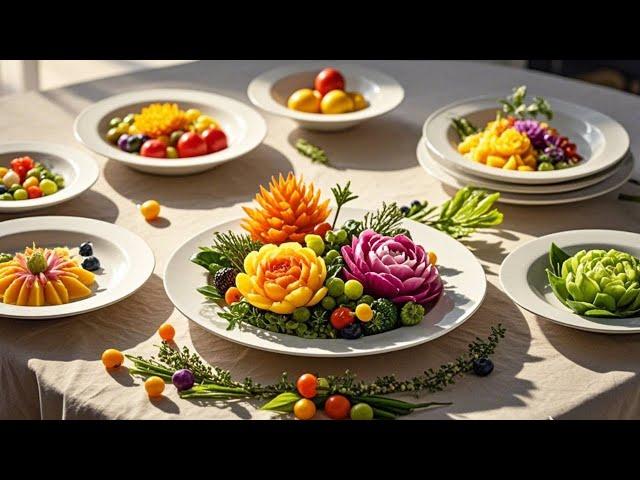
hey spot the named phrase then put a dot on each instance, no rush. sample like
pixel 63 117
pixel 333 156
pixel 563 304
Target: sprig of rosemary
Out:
pixel 315 153
pixel 514 105
pixel 228 250
pixel 341 195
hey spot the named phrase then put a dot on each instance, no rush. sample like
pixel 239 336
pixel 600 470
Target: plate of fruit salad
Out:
pixel 517 140
pixel 329 98
pixel 54 266
pixel 284 279
pixel 36 175
pixel 170 131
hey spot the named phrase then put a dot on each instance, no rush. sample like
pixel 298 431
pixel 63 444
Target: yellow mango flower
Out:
pixel 512 142
pixel 281 278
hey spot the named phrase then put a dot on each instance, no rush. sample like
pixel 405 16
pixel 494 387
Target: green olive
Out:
pixel 172 152
pixel 46 174
pixel 59 179
pixel 129 119
pixel 6 196
pixel 115 121
pixel 14 188
pixel 175 136
pixel 562 165
pixel 545 167
pixel 113 134
pixel 34 172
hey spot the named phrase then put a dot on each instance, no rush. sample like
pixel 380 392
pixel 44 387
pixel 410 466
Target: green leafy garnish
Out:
pixel 228 250
pixel 282 403
pixel 463 127
pixel 315 153
pixel 514 105
pixel 211 293
pixel 342 195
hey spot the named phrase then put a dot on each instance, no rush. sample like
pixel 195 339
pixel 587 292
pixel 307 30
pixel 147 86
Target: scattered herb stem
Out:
pixel 315 153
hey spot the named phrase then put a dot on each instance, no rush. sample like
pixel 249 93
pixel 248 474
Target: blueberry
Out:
pixel 86 249
pixel 416 203
pixel 3 189
pixel 351 332
pixel 482 367
pixel 91 263
pixel 404 209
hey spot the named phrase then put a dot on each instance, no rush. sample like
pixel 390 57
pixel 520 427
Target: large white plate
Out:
pixel 126 260
pixel 619 178
pixel 523 277
pixel 465 287
pixel 271 90
pixel 600 139
pixel 79 170
pixel 520 187
pixel 245 128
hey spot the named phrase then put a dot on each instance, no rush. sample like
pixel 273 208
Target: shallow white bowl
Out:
pixel 454 178
pixel 80 172
pixel 465 287
pixel 600 140
pixel 126 260
pixel 271 90
pixel 523 277
pixel 245 128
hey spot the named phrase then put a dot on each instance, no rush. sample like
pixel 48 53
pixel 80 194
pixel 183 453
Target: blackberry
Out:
pixel 224 279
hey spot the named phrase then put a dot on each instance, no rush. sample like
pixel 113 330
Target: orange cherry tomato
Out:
pixel 167 332
pixel 154 386
pixel 150 209
pixel 307 385
pixel 232 295
pixel 112 358
pixel 304 409
pixel 337 407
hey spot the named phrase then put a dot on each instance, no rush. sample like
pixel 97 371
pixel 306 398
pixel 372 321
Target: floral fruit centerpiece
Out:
pixel 166 131
pixel 42 276
pixel 517 141
pixel 297 274
pixel 596 283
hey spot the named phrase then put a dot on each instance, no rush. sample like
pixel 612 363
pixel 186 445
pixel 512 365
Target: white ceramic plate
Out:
pixel 271 90
pixel 600 140
pixel 619 178
pixel 523 277
pixel 245 128
pixel 465 287
pixel 79 170
pixel 126 260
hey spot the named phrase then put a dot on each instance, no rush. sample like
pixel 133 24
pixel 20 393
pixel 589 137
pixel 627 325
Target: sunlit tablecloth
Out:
pixel 51 369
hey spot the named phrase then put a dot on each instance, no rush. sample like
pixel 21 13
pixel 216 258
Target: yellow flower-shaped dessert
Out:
pixel 40 277
pixel 283 278
pixel 512 142
pixel 158 119
pixel 290 210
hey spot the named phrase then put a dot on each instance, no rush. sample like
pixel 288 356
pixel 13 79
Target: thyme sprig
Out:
pixel 342 195
pixel 315 153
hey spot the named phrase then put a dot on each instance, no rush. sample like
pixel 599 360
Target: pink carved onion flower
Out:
pixel 392 267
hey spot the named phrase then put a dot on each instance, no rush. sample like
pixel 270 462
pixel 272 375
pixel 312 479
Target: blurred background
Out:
pixel 24 75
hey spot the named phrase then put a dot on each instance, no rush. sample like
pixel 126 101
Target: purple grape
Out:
pixel 122 141
pixel 183 379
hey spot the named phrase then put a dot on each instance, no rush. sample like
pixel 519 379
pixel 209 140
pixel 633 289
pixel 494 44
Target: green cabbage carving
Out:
pixel 596 283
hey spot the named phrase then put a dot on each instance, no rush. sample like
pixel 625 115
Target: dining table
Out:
pixel 52 369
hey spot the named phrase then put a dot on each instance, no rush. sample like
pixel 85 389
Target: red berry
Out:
pixel 216 140
pixel 341 317
pixel 34 192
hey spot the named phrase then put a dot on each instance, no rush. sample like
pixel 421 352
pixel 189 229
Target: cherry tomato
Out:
pixel 154 386
pixel 307 385
pixel 322 229
pixel 112 358
pixel 341 317
pixel 329 79
pixel 337 407
pixel 304 409
pixel 21 170
pixel 150 209
pixel 216 140
pixel 167 332
pixel 191 145
pixel 24 161
pixel 34 192
pixel 232 295
pixel 154 148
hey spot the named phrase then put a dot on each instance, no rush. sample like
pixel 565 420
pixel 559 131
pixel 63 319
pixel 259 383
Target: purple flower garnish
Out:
pixel 555 153
pixel 533 130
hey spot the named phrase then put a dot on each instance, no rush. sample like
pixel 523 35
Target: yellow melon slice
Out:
pixel 85 276
pixel 5 282
pixel 61 290
pixel 50 295
pixel 36 295
pixel 11 293
pixel 75 288
pixel 23 296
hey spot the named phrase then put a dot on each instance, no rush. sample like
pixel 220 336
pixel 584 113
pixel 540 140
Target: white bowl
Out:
pixel 271 90
pixel 600 140
pixel 245 128
pixel 126 260
pixel 465 288
pixel 523 277
pixel 457 179
pixel 80 172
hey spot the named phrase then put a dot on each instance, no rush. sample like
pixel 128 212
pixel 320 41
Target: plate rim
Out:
pixel 143 263
pixel 541 177
pixel 526 256
pixel 86 132
pixel 297 351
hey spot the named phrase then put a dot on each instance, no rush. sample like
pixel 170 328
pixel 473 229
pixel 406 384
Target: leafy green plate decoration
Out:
pixel 596 283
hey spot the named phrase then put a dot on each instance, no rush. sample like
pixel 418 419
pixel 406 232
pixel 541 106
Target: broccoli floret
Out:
pixel 411 314
pixel 385 317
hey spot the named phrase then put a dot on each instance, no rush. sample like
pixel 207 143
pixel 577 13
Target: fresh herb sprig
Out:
pixel 217 383
pixel 228 250
pixel 342 195
pixel 315 153
pixel 463 127
pixel 514 105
